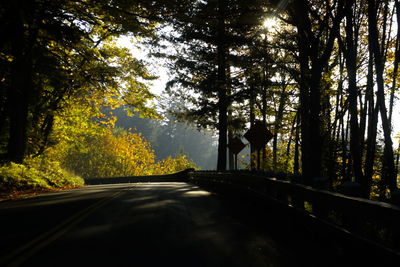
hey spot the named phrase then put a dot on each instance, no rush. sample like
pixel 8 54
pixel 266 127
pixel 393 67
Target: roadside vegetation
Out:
pixel 85 143
pixel 35 176
pixel 60 68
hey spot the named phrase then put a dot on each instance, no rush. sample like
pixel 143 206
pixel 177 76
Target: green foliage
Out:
pixel 88 144
pixel 114 155
pixel 107 155
pixel 173 165
pixel 85 142
pixel 53 51
pixel 169 138
pixel 18 176
pixel 36 174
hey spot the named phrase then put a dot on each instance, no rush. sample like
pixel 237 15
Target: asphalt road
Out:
pixel 143 224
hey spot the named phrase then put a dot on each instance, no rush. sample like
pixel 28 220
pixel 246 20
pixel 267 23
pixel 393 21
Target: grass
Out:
pixel 34 176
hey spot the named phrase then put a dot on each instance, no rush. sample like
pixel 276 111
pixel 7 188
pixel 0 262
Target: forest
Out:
pixel 323 76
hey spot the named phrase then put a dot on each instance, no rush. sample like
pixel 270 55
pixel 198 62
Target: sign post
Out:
pixel 258 135
pixel 236 145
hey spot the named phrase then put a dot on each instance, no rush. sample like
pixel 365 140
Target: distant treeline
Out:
pixel 170 138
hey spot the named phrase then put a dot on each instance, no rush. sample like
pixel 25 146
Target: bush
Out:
pixel 173 165
pixel 112 153
pixel 36 174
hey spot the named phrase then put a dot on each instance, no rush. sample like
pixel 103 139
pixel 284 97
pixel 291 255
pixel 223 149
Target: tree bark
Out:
pixel 231 157
pixel 395 63
pixel 289 144
pixel 296 164
pixel 19 93
pixel 317 54
pixel 277 126
pixel 252 119
pixel 373 111
pixel 394 80
pixel 222 94
pixel 231 160
pixel 308 125
pixel 263 87
pixel 388 169
pixel 350 52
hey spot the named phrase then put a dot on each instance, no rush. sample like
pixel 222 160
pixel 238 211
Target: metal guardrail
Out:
pixel 366 224
pixel 372 221
pixel 181 176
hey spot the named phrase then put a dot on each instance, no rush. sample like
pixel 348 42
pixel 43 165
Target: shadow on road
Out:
pixel 146 224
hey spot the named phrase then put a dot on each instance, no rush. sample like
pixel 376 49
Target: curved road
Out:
pixel 143 224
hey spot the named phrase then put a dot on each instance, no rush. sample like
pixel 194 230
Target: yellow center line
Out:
pixel 23 253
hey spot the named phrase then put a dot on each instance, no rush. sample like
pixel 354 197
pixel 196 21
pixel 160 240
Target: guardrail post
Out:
pixel 320 210
pixel 297 201
pixel 353 221
pixel 281 195
pixel 395 197
pixel 351 189
pixel 321 183
pixel 395 200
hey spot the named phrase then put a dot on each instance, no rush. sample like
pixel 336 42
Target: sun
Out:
pixel 270 23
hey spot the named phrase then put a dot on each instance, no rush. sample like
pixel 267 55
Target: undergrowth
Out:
pixel 35 174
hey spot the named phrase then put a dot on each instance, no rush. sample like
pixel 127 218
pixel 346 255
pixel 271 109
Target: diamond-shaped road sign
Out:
pixel 258 135
pixel 236 145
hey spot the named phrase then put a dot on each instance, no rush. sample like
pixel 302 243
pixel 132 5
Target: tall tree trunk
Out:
pixel 350 53
pixel 277 126
pixel 222 94
pixel 296 164
pixel 19 93
pixel 373 111
pixel 395 63
pixel 231 160
pixel 45 131
pixel 289 144
pixel 307 156
pixel 397 159
pixel 394 79
pixel 363 120
pixel 317 54
pixel 345 157
pixel 388 170
pixel 252 119
pixel 306 140
pixel 349 166
pixel 231 156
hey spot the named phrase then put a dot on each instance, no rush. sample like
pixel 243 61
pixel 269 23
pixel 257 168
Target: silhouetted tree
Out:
pixel 388 171
pixel 318 24
pixel 52 50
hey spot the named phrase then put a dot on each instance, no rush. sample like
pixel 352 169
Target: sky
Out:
pixel 155 68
